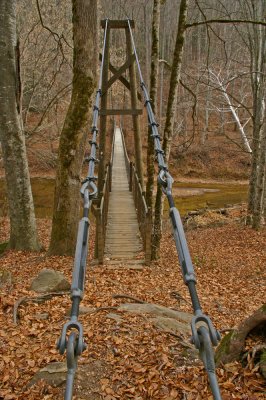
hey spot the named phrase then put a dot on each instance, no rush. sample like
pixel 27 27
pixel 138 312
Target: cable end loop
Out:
pixel 214 335
pixel 165 180
pixel 87 184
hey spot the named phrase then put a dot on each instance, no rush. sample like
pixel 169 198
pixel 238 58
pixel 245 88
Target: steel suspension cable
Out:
pixel 204 335
pixel 71 339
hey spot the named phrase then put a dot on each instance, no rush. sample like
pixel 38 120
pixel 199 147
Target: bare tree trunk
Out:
pixel 259 201
pixel 257 48
pixel 168 130
pixel 264 195
pixel 237 120
pixel 205 130
pixel 153 96
pixel 162 71
pixel 146 41
pixel 232 344
pixel 75 129
pixel 218 81
pixel 23 234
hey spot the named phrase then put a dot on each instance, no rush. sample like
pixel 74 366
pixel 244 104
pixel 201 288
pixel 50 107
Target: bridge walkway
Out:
pixel 123 239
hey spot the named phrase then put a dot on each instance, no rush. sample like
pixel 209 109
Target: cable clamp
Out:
pixel 156 136
pixel 154 123
pixel 90 158
pixel 142 85
pixel 94 129
pixel 147 102
pixel 91 142
pixel 159 151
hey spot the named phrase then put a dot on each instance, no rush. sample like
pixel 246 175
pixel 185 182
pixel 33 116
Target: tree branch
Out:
pixel 225 21
pixel 54 34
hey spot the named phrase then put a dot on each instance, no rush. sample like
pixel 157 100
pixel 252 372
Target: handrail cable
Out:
pixel 204 335
pixel 71 339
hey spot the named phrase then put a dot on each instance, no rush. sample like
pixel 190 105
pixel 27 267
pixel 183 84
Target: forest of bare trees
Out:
pixel 203 64
pixel 222 77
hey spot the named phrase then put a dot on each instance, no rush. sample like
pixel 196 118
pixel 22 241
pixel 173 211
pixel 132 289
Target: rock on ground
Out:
pixel 54 374
pixel 50 280
pixel 162 317
pixel 156 310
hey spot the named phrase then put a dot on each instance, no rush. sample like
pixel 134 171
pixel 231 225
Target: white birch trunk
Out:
pixel 23 235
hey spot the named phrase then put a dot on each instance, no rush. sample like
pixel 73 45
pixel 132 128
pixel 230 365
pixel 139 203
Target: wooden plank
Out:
pixel 120 111
pixel 122 231
pixel 118 23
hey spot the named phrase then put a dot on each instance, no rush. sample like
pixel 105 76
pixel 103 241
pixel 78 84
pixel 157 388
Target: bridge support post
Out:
pixel 135 118
pixel 103 118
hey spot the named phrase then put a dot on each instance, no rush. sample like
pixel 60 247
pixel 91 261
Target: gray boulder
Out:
pixel 171 325
pixel 156 310
pixel 164 318
pixel 50 280
pixel 54 374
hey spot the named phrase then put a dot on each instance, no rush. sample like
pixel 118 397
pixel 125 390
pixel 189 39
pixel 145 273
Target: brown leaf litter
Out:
pixel 127 357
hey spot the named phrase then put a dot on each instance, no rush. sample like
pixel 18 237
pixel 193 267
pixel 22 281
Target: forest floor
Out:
pixel 129 358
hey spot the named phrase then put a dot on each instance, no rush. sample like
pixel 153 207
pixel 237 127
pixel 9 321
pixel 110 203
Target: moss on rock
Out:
pixel 223 349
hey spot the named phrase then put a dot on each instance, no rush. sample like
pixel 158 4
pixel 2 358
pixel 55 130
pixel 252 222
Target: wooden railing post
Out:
pixel 95 205
pixel 148 233
pixel 110 175
pixel 130 176
pixel 100 238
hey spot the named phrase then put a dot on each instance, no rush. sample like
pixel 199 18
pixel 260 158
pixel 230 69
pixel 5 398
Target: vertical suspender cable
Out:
pixel 71 340
pixel 204 335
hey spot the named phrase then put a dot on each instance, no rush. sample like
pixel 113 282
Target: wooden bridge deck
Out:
pixel 123 240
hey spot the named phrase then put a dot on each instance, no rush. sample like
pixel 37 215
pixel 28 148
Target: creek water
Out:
pixel 188 196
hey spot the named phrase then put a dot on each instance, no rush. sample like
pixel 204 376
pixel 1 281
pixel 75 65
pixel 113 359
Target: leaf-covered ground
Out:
pixel 132 359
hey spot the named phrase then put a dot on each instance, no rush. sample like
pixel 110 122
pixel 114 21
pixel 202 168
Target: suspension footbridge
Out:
pixel 122 217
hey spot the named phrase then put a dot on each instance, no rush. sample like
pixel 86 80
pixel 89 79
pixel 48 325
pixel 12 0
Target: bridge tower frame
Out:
pixel 131 85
